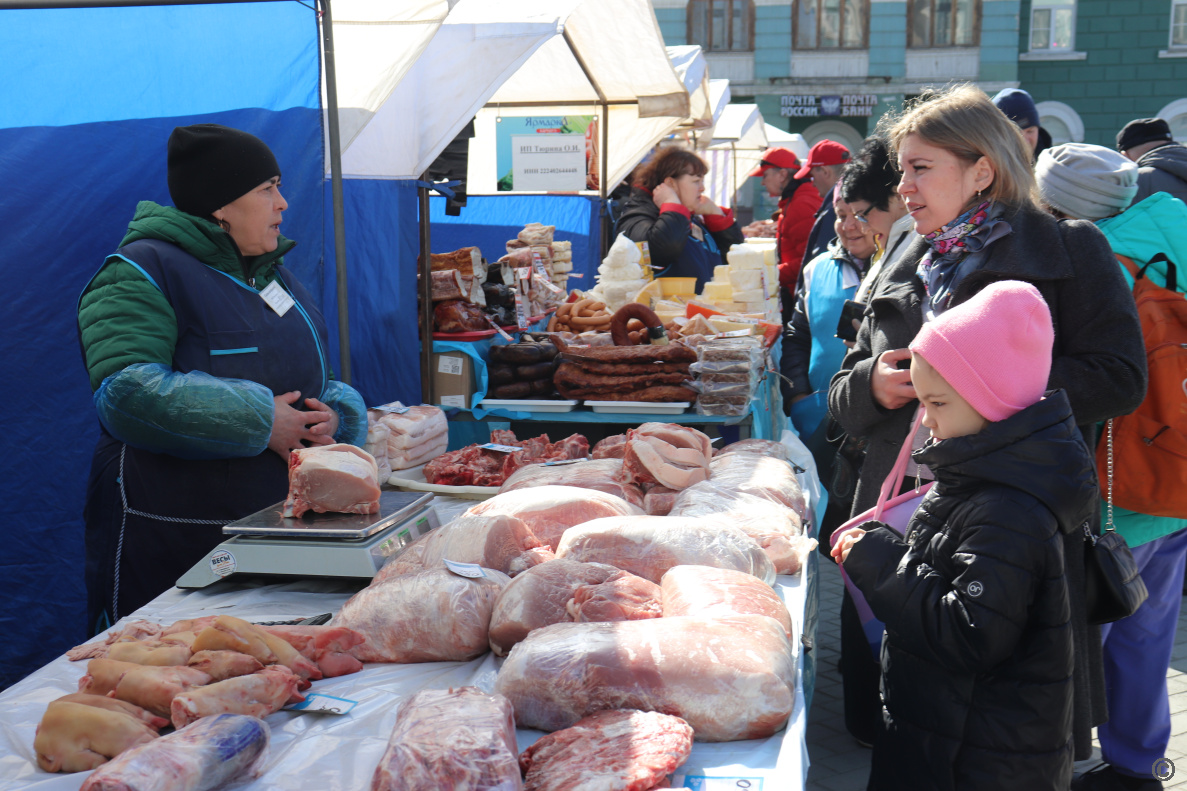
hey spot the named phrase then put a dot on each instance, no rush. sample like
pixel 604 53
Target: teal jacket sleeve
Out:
pixel 192 416
pixel 352 412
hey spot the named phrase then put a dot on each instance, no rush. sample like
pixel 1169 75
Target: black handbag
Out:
pixel 1113 586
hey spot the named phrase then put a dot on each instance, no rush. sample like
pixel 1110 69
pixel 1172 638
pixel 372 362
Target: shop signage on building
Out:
pixel 859 105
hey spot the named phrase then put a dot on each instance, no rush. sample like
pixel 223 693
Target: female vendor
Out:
pixel 686 233
pixel 208 362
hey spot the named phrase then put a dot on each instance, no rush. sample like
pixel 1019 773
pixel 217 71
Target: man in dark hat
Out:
pixel 1162 163
pixel 1020 108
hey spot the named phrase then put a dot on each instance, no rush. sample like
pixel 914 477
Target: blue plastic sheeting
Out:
pixel 69 192
pixel 489 221
pixel 382 244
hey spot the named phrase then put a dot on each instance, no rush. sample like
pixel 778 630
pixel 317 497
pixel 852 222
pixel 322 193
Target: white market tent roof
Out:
pixel 411 75
pixel 610 62
pixel 739 140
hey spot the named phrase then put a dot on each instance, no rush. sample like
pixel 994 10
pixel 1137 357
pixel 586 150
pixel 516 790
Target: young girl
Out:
pixel 977 659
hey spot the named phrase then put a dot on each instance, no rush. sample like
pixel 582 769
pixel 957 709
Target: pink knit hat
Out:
pixel 995 349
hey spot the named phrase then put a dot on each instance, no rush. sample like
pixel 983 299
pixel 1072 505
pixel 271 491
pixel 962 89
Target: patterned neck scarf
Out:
pixel 950 246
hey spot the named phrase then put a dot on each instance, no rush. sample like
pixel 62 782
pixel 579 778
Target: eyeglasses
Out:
pixel 863 217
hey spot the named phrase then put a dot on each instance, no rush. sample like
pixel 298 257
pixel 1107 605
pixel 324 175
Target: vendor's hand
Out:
pixel 291 426
pixel 857 328
pixel 707 206
pixel 891 386
pixel 845 542
pixel 664 194
pixel 322 421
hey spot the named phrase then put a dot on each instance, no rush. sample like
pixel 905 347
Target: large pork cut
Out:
pixel 604 475
pixel 650 545
pixel 729 678
pixel 339 478
pixel 427 616
pixel 668 454
pixel 759 447
pixel 620 597
pixel 414 435
pixel 456 739
pixel 761 476
pixel 499 542
pixel 549 511
pixel 622 749
pixel 720 593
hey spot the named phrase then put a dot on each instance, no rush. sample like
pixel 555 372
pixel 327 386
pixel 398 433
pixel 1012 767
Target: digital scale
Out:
pixel 316 545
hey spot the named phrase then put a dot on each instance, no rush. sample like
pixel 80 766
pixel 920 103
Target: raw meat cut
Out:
pixel 328 646
pixel 650 545
pixel 221 665
pixel 414 434
pixel 729 678
pixel 406 458
pixel 457 315
pixel 378 436
pixel 538 597
pixel 153 688
pixel 618 750
pixel 427 616
pixel 210 753
pixel 236 634
pixel 620 597
pixel 136 630
pixel 146 653
pixel 111 704
pixel 761 476
pixel 659 500
pixel 257 694
pixel 759 447
pixel 498 542
pixel 777 528
pixel 339 478
pixel 474 465
pixel 603 475
pixel 549 511
pixel 457 739
pixel 665 453
pixel 103 674
pixel 719 593
pixel 75 737
pixel 611 447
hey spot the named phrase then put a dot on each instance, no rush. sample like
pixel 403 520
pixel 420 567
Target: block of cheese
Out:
pixel 747 279
pixel 744 256
pixel 721 273
pixel 718 292
pixel 725 325
pixel 750 295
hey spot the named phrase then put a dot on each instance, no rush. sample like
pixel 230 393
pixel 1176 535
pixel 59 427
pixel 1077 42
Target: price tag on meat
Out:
pixel 500 448
pixel 701 783
pixel 502 332
pixel 546 283
pixel 471 570
pixel 394 408
pixel 327 704
pixel 561 462
pixel 521 313
pixel 734 334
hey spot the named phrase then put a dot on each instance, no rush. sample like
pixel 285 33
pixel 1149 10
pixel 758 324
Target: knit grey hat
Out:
pixel 1086 182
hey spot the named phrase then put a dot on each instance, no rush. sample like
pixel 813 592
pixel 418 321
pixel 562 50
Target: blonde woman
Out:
pixel 968 185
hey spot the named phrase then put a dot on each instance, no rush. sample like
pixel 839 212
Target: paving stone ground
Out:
pixel 839 763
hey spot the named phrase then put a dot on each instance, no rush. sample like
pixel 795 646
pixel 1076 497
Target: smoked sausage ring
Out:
pixel 636 310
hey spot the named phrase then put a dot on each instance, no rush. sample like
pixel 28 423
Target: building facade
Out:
pixel 1094 65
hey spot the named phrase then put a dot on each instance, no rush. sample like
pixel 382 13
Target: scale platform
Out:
pixel 316 545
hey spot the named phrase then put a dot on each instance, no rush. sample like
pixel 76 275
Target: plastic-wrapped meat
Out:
pixel 620 597
pixel 720 593
pixel 549 511
pixel 604 475
pixel 427 616
pixel 729 678
pixel 539 596
pixel 623 749
pixel 650 545
pixel 759 447
pixel 457 739
pixel 208 754
pixel 79 732
pixel 332 478
pixel 257 694
pixel 659 500
pixel 761 476
pixel 611 447
pixel 499 542
pixel 378 436
pixel 777 528
pixel 665 453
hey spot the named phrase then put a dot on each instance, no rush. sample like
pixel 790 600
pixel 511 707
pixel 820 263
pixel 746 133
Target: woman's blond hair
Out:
pixel 962 120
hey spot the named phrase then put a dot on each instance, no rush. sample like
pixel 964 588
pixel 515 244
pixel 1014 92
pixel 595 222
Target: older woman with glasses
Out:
pixel 870 190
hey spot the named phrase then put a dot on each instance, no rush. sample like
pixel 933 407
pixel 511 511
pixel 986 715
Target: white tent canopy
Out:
pixel 610 62
pixel 399 135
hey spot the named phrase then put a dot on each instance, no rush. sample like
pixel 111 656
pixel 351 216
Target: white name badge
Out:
pixel 277 298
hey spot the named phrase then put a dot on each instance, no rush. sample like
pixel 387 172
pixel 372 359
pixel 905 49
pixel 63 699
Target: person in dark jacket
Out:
pixel 977 655
pixel 209 364
pixel 968 184
pixel 1162 163
pixel 687 233
pixel 824 164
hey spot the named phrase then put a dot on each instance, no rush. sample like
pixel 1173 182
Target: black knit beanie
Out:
pixel 211 165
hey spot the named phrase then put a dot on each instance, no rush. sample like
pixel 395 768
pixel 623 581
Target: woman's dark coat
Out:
pixel 977 660
pixel 669 239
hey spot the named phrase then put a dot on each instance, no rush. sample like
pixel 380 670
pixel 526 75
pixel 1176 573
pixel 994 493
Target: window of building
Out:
pixel 721 25
pixel 1053 26
pixel 832 24
pixel 1179 23
pixel 944 23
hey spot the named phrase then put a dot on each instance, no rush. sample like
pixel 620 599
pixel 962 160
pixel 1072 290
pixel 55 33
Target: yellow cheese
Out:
pixel 721 273
pixel 725 325
pixel 750 296
pixel 718 292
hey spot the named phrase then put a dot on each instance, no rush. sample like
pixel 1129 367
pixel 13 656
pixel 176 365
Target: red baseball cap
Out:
pixel 826 152
pixel 776 158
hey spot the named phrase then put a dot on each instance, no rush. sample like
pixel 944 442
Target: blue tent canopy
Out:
pixel 91 95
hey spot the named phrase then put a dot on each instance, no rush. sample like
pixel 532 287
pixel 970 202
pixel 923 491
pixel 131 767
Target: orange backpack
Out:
pixel 1150 445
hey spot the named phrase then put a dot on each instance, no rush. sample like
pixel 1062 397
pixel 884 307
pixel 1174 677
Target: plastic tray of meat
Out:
pixel 527 404
pixel 413 480
pixel 639 407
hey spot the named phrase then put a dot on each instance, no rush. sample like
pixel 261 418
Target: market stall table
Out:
pixel 327 751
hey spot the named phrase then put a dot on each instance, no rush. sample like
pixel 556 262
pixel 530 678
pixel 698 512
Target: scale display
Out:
pixel 393 508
